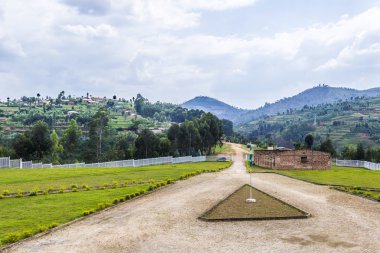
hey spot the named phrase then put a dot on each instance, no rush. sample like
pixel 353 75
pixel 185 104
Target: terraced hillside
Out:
pixel 345 122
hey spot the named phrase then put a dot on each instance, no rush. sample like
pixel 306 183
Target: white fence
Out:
pixel 5 162
pixel 355 163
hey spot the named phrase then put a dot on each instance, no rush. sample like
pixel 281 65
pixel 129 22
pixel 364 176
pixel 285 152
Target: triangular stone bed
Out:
pixel 267 207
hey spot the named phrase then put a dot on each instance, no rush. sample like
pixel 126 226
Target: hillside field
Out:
pixel 21 217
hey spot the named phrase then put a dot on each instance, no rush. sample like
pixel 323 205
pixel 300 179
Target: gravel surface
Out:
pixel 166 221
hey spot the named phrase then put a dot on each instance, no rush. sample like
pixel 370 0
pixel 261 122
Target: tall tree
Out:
pixel 41 139
pixel 71 141
pixel 56 148
pixel 360 153
pixel 327 146
pixel 147 144
pixel 309 141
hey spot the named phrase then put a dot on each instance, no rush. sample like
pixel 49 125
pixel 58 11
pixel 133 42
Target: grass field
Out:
pixel 27 179
pixel 25 216
pixel 358 181
pixel 226 148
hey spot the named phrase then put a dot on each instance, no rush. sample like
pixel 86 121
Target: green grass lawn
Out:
pixel 357 181
pixel 21 215
pixel 226 148
pixel 43 179
pixel 25 216
pixel 338 176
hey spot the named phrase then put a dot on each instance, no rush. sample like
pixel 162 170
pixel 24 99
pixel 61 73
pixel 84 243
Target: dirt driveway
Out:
pixel 166 221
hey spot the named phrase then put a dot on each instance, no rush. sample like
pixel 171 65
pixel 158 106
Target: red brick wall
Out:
pixel 293 159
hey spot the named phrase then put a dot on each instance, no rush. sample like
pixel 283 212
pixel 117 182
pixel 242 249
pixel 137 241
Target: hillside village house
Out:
pixel 293 159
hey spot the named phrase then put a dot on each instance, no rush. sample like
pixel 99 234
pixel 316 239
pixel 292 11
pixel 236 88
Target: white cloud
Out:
pixel 153 45
pixel 102 30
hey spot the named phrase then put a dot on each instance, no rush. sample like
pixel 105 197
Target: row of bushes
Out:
pixel 72 188
pixel 363 192
pixel 16 236
pixel 116 201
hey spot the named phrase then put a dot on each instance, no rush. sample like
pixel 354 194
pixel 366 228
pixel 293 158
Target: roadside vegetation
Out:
pixel 23 216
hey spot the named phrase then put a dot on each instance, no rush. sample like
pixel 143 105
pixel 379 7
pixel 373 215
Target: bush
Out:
pixel 142 192
pixel 62 189
pixel 101 206
pixel 151 188
pixel 128 196
pixel 74 189
pixel 169 181
pixel 42 228
pixel 85 213
pixel 74 186
pixel 53 225
pixel 115 201
pixel 19 193
pixel 132 195
pixel 121 200
pixel 137 194
pixel 6 192
pixel 11 238
pixel 33 193
pixel 115 184
pixel 1 196
pixel 26 234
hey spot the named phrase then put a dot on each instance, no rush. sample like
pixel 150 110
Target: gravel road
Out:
pixel 166 221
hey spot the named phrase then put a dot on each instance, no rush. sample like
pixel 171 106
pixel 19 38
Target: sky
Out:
pixel 242 52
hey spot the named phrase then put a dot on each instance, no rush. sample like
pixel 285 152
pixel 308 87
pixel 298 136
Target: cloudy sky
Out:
pixel 243 52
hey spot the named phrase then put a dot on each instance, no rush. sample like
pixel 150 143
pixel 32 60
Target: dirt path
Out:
pixel 166 221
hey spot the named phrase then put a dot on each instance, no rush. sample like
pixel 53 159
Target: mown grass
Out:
pixel 19 215
pixel 22 217
pixel 357 181
pixel 44 179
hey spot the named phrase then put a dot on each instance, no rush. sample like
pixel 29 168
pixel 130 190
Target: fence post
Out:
pixel 20 163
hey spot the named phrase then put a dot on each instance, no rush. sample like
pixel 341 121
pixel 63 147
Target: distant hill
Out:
pixel 318 95
pixel 216 107
pixel 347 122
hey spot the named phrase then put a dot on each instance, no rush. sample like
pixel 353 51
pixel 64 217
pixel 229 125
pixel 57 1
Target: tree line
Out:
pixel 96 141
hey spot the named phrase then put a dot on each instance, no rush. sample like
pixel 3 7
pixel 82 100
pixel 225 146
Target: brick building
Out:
pixel 293 159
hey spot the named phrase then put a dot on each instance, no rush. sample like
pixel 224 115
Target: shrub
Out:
pixel 169 181
pixel 50 189
pixel 62 189
pixel 85 186
pixel 137 194
pixel 45 192
pixel 19 193
pixel 42 228
pixel 11 238
pixel 85 213
pixel 115 184
pixel 132 195
pixel 53 225
pixel 115 201
pixel 121 200
pixel 74 186
pixel 151 188
pixel 151 180
pixel 101 206
pixel 1 196
pixel 74 189
pixel 128 196
pixel 33 193
pixel 157 185
pixel 5 192
pixel 26 234
pixel 105 185
pixel 142 192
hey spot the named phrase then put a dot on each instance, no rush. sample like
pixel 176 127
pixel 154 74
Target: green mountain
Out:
pixel 356 120
pixel 318 95
pixel 216 107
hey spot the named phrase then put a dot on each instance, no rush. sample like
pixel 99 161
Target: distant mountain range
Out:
pixel 322 94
